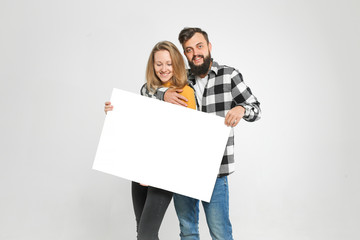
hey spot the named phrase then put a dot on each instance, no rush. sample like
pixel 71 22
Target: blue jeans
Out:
pixel 216 212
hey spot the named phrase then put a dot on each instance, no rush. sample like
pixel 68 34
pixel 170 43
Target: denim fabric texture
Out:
pixel 216 212
pixel 150 205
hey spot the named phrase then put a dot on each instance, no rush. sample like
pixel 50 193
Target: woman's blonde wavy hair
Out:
pixel 179 79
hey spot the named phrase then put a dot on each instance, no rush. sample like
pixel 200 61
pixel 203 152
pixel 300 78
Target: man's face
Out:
pixel 197 52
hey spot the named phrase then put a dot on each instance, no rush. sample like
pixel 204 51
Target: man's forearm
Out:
pixel 158 94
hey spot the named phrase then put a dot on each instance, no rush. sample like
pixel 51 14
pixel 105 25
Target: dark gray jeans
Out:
pixel 150 205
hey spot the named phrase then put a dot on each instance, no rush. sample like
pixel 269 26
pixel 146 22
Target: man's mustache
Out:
pixel 202 56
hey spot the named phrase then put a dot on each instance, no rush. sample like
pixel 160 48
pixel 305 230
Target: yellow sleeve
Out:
pixel 189 93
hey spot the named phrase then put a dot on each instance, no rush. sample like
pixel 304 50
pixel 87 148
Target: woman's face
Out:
pixel 162 65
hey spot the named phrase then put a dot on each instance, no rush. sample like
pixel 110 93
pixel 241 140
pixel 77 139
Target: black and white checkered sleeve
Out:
pixel 158 94
pixel 242 96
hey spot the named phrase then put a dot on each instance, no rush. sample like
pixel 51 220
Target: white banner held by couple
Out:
pixel 162 145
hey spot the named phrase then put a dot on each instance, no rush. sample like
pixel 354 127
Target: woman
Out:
pixel 165 68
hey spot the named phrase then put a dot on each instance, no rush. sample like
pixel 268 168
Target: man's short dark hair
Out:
pixel 188 33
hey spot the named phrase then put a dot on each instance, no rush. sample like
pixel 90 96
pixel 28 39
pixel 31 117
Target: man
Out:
pixel 219 90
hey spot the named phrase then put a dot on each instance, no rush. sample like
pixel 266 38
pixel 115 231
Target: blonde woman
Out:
pixel 165 68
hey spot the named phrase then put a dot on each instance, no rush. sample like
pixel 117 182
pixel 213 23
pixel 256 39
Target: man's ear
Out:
pixel 210 46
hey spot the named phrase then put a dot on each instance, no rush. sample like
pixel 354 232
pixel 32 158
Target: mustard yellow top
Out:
pixel 187 92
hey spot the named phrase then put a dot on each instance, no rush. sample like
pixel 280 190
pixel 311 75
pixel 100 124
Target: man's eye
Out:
pixel 200 46
pixel 188 50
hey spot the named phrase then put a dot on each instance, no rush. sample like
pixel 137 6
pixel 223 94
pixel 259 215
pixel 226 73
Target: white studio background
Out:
pixel 297 168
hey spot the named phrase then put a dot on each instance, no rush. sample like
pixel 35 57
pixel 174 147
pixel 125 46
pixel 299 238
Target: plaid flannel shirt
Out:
pixel 224 90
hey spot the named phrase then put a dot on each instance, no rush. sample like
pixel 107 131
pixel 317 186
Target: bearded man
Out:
pixel 219 90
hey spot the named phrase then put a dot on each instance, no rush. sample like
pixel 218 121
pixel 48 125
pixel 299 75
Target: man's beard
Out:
pixel 200 69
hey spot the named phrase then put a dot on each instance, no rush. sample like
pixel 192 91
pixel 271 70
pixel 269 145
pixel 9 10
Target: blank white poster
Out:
pixel 162 145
